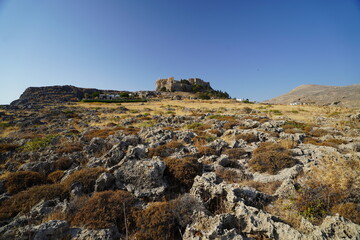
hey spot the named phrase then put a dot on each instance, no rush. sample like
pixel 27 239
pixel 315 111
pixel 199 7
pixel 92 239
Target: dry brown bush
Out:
pixel 165 150
pixel 206 151
pixel 23 201
pixel 166 220
pixel 349 210
pixel 231 176
pixel 63 163
pixel 105 209
pixel 181 172
pixel 55 177
pixel 22 180
pixel 230 124
pixel 271 158
pixel 248 137
pixel 70 148
pixel 6 147
pixel 234 153
pixel 333 142
pixel 86 177
pixel 287 143
pixel 156 222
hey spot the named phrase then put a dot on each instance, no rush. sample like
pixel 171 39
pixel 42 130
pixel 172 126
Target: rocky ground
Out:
pixel 180 171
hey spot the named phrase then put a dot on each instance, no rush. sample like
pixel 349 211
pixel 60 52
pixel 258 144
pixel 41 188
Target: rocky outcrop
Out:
pixel 171 85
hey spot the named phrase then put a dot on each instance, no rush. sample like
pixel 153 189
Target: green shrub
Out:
pixel 271 158
pixel 18 181
pixel 86 177
pixel 25 200
pixel 104 209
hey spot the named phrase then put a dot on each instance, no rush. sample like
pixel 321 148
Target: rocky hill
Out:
pixel 52 94
pixel 348 96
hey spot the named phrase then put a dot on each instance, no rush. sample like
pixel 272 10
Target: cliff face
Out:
pixel 171 85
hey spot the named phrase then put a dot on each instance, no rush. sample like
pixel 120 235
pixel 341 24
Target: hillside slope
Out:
pixel 348 96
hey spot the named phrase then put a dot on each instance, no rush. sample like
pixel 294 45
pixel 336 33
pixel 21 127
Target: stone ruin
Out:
pixel 171 85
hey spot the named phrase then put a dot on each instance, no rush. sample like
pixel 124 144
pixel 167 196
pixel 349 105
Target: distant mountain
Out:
pixel 348 96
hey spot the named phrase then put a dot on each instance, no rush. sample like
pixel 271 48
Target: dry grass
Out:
pixel 329 187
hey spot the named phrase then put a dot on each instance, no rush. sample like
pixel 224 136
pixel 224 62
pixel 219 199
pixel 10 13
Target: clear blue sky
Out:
pixel 256 49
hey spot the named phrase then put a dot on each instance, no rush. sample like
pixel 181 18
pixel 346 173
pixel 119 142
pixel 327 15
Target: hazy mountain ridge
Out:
pixel 348 96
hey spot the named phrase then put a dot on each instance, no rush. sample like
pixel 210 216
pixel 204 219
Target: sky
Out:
pixel 256 49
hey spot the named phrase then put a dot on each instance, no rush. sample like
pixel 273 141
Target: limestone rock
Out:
pixel 144 178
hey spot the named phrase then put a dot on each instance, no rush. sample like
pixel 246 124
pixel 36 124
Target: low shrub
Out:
pixel 86 177
pixel 70 148
pixel 230 124
pixel 181 172
pixel 104 209
pixel 206 151
pixel 166 220
pixel 234 153
pixel 165 150
pixel 18 181
pixel 248 137
pixel 63 163
pixel 296 127
pixel 25 200
pixel 349 210
pixel 271 158
pixel 55 177
pixel 6 147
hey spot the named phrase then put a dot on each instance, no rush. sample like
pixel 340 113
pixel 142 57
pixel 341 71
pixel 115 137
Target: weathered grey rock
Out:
pixel 336 227
pixel 223 226
pixel 52 230
pixel 106 181
pixel 137 152
pixel 297 137
pixel 218 145
pixel 144 178
pixel 44 167
pixel 287 173
pixel 97 234
pixel 43 208
pixel 286 189
pixel 95 146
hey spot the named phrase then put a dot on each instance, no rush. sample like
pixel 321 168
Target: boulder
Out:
pixel 144 177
